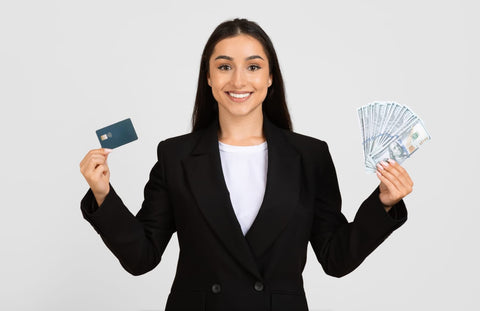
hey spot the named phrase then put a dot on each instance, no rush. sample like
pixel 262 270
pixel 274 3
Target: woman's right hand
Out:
pixel 94 168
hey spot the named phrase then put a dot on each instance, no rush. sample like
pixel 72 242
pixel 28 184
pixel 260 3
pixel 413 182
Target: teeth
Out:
pixel 235 95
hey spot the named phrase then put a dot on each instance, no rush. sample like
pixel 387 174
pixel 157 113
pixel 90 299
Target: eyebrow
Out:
pixel 231 58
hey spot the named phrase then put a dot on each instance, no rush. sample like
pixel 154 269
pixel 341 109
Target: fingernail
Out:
pixel 391 161
pixel 107 151
pixel 385 164
pixel 378 174
pixel 379 167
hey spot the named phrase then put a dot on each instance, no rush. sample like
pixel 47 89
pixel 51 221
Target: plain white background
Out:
pixel 68 68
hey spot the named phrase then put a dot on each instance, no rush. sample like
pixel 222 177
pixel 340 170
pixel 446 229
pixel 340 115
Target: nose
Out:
pixel 238 79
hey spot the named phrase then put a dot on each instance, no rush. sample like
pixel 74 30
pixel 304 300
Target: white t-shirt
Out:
pixel 245 172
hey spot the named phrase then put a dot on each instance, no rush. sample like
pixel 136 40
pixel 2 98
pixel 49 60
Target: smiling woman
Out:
pixel 239 69
pixel 244 193
pixel 239 76
pixel 255 54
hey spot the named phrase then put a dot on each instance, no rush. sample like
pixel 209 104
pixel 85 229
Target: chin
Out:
pixel 243 112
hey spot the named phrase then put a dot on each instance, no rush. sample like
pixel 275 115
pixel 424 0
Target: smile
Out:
pixel 238 95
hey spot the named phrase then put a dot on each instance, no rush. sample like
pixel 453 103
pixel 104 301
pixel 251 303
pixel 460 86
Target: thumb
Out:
pixel 106 153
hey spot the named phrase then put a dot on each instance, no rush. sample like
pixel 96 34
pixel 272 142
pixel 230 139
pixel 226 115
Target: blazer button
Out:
pixel 258 286
pixel 216 288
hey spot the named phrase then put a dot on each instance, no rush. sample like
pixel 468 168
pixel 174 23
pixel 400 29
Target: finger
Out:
pixel 403 171
pixel 97 179
pixel 401 179
pixel 397 179
pixel 92 162
pixel 385 181
pixel 390 186
pixel 101 170
pixel 95 160
pixel 385 171
pixel 101 151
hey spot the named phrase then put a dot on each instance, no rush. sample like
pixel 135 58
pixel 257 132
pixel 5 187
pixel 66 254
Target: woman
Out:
pixel 243 192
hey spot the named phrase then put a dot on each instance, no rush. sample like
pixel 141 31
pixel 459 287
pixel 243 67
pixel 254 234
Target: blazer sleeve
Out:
pixel 137 241
pixel 340 246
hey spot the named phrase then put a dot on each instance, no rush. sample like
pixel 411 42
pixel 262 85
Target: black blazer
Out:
pixel 218 267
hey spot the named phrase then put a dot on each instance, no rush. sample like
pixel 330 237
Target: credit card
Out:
pixel 117 134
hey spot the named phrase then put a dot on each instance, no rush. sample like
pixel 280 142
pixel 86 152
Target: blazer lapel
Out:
pixel 204 174
pixel 281 193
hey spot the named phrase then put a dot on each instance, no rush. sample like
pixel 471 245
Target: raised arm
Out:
pixel 137 241
pixel 341 246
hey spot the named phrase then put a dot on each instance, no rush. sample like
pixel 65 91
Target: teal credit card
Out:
pixel 117 134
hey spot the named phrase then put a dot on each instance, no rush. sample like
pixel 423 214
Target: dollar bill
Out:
pixel 403 146
pixel 389 131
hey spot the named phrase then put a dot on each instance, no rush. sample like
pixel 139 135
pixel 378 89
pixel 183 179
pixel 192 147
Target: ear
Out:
pixel 208 79
pixel 270 81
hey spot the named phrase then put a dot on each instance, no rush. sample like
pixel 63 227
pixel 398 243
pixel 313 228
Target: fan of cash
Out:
pixel 389 131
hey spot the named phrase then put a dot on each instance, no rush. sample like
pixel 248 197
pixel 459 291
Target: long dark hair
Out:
pixel 274 106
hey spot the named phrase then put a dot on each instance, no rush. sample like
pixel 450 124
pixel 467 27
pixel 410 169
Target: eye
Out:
pixel 254 67
pixel 224 67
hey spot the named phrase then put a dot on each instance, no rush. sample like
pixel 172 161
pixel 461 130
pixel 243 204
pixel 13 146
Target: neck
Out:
pixel 241 131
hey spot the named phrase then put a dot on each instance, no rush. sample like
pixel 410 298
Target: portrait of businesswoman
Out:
pixel 244 193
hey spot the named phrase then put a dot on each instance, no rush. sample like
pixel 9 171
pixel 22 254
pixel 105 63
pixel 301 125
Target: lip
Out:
pixel 239 99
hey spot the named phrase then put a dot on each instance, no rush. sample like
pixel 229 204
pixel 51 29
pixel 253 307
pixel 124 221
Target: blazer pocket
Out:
pixel 284 302
pixel 185 300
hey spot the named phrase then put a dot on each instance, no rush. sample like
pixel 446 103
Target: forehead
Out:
pixel 240 46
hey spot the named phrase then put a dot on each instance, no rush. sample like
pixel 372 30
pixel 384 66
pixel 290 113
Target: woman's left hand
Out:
pixel 395 183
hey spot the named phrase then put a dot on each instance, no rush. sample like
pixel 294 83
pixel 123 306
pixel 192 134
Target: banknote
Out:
pixel 389 131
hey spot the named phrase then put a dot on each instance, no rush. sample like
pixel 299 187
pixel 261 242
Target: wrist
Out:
pixel 100 196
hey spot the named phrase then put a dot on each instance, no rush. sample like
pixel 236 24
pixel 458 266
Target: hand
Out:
pixel 395 183
pixel 94 168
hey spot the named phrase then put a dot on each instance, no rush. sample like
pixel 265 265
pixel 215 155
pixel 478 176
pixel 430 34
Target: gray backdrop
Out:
pixel 68 68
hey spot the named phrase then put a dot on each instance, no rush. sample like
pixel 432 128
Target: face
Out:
pixel 239 76
pixel 396 151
